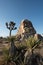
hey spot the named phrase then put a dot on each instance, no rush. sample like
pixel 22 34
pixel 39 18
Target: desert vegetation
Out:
pixel 22 50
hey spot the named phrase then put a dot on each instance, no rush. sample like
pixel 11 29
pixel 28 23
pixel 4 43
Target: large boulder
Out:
pixel 26 29
pixel 38 36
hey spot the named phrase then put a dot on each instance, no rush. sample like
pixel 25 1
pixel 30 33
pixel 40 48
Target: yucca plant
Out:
pixel 6 55
pixel 31 44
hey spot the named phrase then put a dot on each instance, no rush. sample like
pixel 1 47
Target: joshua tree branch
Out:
pixel 15 28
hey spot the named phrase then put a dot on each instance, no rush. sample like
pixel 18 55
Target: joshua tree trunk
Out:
pixel 13 49
pixel 10 33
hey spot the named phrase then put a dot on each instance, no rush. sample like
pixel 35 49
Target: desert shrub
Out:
pixel 7 58
pixel 30 42
pixel 6 54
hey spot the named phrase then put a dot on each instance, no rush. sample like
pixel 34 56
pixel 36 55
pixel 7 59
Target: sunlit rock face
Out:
pixel 26 28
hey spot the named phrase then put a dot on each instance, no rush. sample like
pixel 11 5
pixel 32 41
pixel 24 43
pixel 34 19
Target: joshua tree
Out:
pixel 12 49
pixel 10 26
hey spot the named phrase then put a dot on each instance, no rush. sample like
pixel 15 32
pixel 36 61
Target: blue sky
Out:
pixel 17 10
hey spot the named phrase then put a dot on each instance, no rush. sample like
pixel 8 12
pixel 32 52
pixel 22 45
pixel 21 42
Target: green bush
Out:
pixel 30 42
pixel 6 54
